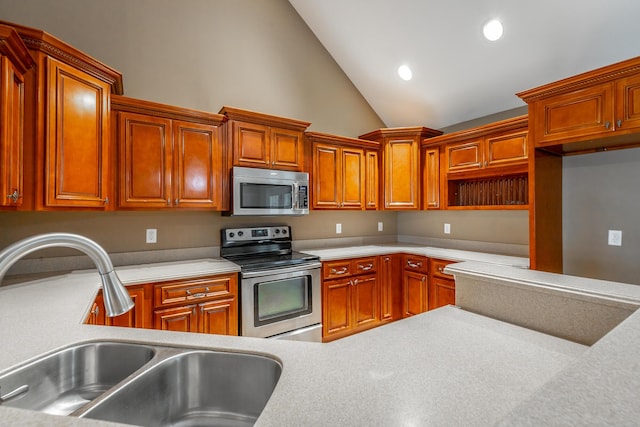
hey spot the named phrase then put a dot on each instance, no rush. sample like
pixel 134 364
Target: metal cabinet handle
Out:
pixel 607 125
pixel 197 295
pixel 414 265
pixel 341 271
pixel 96 310
pixel 441 270
pixel 14 196
pixel 365 267
pixel 355 282
pixel 106 200
pixel 168 202
pixel 423 279
pixel 619 123
pixel 486 163
pixel 386 259
pixel 175 202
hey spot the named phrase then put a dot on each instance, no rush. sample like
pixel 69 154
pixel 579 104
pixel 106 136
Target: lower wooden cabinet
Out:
pixel 442 286
pixel 138 317
pixel 207 304
pixel 415 281
pixel 350 297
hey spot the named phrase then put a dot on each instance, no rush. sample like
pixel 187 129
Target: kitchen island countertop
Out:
pixel 446 366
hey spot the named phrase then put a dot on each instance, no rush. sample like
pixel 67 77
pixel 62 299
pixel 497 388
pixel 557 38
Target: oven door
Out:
pixel 279 301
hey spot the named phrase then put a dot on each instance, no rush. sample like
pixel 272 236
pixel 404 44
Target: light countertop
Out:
pixel 446 366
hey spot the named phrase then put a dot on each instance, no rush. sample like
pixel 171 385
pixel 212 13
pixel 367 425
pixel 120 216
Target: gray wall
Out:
pixel 601 192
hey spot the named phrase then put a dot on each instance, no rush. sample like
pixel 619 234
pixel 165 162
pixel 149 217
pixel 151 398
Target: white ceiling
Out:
pixel 457 74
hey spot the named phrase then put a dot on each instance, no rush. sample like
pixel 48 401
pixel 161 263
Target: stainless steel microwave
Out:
pixel 269 192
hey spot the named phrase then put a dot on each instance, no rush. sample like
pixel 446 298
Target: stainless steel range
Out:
pixel 279 288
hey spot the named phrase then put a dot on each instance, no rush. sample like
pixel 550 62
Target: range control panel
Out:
pixel 248 234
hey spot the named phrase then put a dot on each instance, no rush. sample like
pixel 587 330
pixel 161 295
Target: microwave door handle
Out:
pixel 296 196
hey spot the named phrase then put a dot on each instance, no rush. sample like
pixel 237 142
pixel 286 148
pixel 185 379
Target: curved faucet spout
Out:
pixel 116 298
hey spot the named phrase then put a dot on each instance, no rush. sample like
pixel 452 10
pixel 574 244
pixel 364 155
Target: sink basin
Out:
pixel 64 381
pixel 194 388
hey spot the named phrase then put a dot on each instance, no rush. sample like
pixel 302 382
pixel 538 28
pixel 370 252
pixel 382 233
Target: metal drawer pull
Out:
pixel 441 270
pixel 354 282
pixel 619 123
pixel 341 271
pixel 199 294
pixel 365 267
pixel 607 125
pixel 14 196
pixel 414 265
pixel 15 393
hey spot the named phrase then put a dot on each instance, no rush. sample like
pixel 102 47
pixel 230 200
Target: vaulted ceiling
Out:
pixel 458 75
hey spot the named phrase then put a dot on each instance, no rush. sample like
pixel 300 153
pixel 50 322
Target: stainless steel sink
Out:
pixel 193 388
pixel 64 381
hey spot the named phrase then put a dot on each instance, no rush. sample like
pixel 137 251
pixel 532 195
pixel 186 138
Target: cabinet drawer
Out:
pixel 365 265
pixel 188 290
pixel 415 263
pixel 335 269
pixel 437 268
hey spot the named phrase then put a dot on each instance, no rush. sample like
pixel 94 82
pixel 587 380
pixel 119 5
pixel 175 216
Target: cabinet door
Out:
pixel 181 319
pixel 219 317
pixel 401 174
pixel 11 125
pixel 197 165
pixel 372 180
pixel 336 307
pixel 414 288
pixel 145 161
pixel 327 179
pixel 431 177
pixel 353 178
pixel 287 149
pixel 574 116
pixel 77 139
pixel 366 307
pixel 464 156
pixel 441 292
pixel 139 316
pixel 250 145
pixel 628 103
pixel 507 149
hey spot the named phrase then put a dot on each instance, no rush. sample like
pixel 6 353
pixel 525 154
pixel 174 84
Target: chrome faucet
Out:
pixel 116 298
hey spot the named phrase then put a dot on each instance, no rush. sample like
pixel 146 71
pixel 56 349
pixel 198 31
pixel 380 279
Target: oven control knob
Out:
pixel 277 231
pixel 284 231
pixel 240 233
pixel 232 234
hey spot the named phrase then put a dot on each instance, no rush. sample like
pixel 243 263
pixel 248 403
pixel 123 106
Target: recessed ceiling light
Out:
pixel 405 72
pixel 493 30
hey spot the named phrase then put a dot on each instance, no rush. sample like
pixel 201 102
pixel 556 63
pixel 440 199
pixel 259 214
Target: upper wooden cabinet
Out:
pixel 67 146
pixel 15 60
pixel 498 144
pixel 168 157
pixel 263 141
pixel 481 168
pixel 401 165
pixel 596 110
pixel 431 177
pixel 344 173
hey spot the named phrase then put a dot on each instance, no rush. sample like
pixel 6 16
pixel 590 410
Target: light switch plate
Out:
pixel 338 228
pixel 380 226
pixel 447 229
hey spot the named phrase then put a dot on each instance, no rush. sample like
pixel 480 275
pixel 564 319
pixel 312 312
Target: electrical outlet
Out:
pixel 615 238
pixel 447 229
pixel 152 235
pixel 338 228
pixel 380 226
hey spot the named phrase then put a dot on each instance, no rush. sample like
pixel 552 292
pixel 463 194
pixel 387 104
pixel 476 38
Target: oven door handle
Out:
pixel 285 270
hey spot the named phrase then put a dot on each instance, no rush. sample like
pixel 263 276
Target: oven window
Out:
pixel 265 196
pixel 282 299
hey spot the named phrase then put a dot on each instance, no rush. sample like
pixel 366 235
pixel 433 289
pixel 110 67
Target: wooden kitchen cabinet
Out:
pixel 168 157
pixel 15 60
pixel 431 177
pixel 483 167
pixel 442 286
pixel 205 304
pixel 343 172
pixel 588 112
pixel 138 317
pixel 350 297
pixel 67 146
pixel 401 165
pixel 414 285
pixel 263 141
pixel 390 282
pixel 372 179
